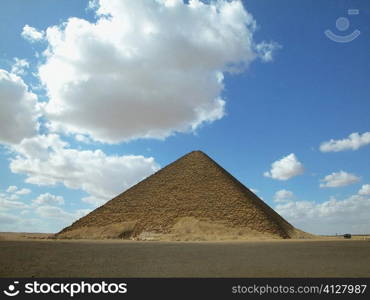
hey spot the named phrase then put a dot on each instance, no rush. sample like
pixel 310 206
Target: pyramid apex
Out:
pixel 197 152
pixel 196 155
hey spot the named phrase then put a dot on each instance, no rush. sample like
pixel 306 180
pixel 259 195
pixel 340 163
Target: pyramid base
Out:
pixel 185 229
pixel 122 230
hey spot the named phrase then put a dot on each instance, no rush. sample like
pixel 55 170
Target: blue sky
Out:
pixel 111 96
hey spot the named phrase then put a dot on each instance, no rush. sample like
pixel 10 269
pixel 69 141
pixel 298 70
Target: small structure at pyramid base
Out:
pixel 192 198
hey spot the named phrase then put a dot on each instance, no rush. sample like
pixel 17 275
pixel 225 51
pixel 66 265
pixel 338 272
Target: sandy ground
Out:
pixel 24 255
pixel 23 236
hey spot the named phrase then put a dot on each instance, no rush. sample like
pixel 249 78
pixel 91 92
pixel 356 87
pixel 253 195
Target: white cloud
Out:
pixel 160 73
pixel 19 216
pixel 14 223
pixel 32 34
pixel 337 179
pixel 93 4
pixel 282 196
pixel 12 189
pixel 267 50
pixel 18 109
pixel 53 212
pixel 9 201
pixel 54 218
pixel 82 138
pixel 46 160
pixel 285 168
pixel 330 217
pixel 57 213
pixel 6 219
pixel 23 192
pixel 13 197
pixel 79 213
pixel 6 204
pixel 365 190
pixel 353 142
pixel 48 198
pixel 19 66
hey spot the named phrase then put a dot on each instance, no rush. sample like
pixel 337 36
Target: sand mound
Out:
pixel 191 199
pixel 112 231
pixel 191 229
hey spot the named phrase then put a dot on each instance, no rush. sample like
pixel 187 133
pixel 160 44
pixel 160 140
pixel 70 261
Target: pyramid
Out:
pixel 192 198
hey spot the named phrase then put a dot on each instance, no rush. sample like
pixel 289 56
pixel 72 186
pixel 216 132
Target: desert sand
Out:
pixel 34 255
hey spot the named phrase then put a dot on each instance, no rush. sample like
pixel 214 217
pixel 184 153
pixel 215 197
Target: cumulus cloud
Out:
pixel 23 192
pixel 46 160
pixel 365 190
pixel 32 34
pixel 12 189
pixel 329 217
pixel 53 218
pixel 53 212
pixel 285 168
pixel 267 50
pixel 13 197
pixel 48 199
pixel 82 138
pixel 19 66
pixel 160 73
pixel 19 216
pixel 9 204
pixel 283 196
pixel 353 142
pixel 337 179
pixel 59 214
pixel 9 200
pixel 18 109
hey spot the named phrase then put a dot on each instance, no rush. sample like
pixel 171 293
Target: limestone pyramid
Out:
pixel 192 198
